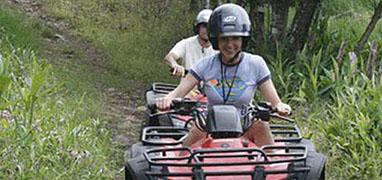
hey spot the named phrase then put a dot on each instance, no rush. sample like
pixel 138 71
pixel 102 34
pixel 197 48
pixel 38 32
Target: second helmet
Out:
pixel 202 17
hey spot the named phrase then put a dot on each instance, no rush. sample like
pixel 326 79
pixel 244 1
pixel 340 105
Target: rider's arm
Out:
pixel 177 52
pixel 171 59
pixel 184 87
pixel 268 91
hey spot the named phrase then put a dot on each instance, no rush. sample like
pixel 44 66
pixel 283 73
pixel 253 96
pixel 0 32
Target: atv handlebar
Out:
pixel 264 111
pixel 182 106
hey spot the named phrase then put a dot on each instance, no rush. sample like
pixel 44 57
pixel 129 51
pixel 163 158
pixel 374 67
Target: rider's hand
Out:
pixel 178 70
pixel 163 103
pixel 283 109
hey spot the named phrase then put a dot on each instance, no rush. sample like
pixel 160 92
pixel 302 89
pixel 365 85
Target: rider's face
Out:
pixel 203 31
pixel 229 45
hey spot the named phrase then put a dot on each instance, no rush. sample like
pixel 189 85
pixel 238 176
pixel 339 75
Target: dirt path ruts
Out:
pixel 123 109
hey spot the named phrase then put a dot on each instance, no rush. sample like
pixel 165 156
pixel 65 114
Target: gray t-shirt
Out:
pixel 238 90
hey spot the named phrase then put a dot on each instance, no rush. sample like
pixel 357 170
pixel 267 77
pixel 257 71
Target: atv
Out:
pixel 224 153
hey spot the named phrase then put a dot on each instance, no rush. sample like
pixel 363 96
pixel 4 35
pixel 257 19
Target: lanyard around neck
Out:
pixel 224 80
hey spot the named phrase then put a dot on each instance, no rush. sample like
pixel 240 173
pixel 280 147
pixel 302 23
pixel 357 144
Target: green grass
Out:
pixel 14 26
pixel 134 40
pixel 52 128
pixel 48 135
pixel 351 140
pixel 338 7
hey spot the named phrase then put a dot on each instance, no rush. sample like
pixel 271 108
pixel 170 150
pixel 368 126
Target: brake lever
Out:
pixel 276 115
pixel 163 112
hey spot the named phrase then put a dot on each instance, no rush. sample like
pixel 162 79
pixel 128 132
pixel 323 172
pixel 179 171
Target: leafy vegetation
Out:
pixel 335 99
pixel 341 109
pixel 43 132
pixel 332 95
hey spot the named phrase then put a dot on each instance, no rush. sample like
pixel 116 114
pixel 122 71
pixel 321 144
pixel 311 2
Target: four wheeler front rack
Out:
pixel 198 159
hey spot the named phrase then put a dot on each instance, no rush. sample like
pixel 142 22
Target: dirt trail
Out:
pixel 121 108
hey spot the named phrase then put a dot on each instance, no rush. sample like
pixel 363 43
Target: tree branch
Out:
pixel 369 29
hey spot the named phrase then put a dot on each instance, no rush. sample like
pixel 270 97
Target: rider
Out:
pixel 230 77
pixel 192 49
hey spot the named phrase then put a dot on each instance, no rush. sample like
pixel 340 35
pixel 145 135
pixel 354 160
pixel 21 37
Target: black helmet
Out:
pixel 202 17
pixel 229 20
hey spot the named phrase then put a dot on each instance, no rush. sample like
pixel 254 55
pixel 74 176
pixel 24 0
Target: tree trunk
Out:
pixel 280 10
pixel 300 27
pixel 374 20
pixel 257 15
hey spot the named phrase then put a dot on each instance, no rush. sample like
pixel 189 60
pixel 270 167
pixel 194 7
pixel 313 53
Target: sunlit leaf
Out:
pixel 4 83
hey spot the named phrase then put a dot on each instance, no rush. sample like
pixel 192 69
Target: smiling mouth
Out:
pixel 230 51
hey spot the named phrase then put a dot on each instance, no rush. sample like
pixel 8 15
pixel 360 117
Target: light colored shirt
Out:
pixel 191 51
pixel 236 88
